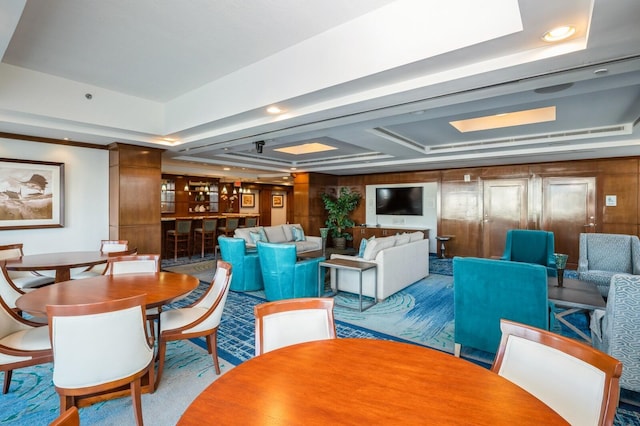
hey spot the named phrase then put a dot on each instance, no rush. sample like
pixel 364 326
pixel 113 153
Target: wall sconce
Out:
pixel 163 187
pixel 224 190
pixel 186 187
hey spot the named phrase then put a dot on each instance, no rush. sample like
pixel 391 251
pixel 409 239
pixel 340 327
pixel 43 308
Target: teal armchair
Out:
pixel 284 277
pixel 486 290
pixel 531 246
pixel 247 275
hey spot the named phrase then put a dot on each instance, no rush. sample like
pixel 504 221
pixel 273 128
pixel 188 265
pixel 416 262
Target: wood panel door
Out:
pixel 568 209
pixel 504 208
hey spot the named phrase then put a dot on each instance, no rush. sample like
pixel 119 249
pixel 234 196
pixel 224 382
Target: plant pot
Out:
pixel 340 243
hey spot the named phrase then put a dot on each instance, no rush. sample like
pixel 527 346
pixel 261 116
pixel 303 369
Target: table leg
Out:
pixel 63 274
pixel 560 317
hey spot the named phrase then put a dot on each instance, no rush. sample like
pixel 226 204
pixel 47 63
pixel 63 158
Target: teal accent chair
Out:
pixel 247 275
pixel 531 246
pixel 487 290
pixel 284 277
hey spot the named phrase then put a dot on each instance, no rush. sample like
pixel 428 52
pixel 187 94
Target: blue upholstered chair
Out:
pixel 486 290
pixel 247 275
pixel 531 246
pixel 615 330
pixel 284 277
pixel 604 255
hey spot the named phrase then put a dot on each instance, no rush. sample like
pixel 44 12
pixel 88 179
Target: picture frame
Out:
pixel 277 201
pixel 247 200
pixel 31 194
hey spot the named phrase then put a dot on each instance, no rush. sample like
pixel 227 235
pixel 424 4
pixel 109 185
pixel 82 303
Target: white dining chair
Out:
pixel 110 248
pixel 22 343
pixel 290 321
pixel 22 279
pixel 577 381
pixel 199 319
pixel 100 347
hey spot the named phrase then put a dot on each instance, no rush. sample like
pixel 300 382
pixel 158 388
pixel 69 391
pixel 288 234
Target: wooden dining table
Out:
pixel 160 288
pixel 61 263
pixel 364 381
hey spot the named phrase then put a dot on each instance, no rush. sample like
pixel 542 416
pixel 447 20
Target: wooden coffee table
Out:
pixel 575 295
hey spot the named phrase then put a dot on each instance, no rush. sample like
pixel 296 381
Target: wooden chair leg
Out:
pixel 212 345
pixel 137 404
pixel 162 349
pixel 7 381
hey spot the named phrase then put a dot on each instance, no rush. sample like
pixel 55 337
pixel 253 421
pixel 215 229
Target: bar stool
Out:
pixel 250 222
pixel 206 234
pixel 179 239
pixel 231 223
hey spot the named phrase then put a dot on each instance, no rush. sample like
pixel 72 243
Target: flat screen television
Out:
pixel 406 201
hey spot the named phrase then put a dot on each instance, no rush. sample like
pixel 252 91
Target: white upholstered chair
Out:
pixel 290 321
pixel 99 347
pixel 137 264
pixel 22 343
pixel 577 381
pixel 110 248
pixel 22 279
pixel 201 318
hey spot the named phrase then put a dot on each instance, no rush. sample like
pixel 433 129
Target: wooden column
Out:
pixel 134 196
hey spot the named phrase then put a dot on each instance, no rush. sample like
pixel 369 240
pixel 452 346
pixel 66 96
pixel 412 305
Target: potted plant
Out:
pixel 338 209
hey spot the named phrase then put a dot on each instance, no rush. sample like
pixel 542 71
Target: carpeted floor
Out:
pixel 421 314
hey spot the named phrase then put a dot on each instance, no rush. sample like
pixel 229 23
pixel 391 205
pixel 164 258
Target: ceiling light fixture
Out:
pixel 509 119
pixel 307 148
pixel 559 33
pixel 273 109
pixel 259 145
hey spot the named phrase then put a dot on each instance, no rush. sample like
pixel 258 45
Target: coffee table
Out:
pixel 575 295
pixel 349 265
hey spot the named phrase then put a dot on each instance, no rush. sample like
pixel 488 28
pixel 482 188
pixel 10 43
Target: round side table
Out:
pixel 443 239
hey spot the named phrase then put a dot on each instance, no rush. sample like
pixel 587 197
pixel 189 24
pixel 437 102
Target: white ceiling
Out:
pixel 378 79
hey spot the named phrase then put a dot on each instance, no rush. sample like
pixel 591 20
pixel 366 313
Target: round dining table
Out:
pixel 61 263
pixel 160 288
pixel 364 381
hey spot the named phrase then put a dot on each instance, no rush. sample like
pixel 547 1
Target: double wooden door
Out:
pixel 566 206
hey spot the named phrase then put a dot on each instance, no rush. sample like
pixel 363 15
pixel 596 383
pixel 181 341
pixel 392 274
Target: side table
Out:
pixel 443 239
pixel 349 265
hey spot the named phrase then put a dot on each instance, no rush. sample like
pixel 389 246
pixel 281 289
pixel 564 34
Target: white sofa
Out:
pixel 280 234
pixel 401 261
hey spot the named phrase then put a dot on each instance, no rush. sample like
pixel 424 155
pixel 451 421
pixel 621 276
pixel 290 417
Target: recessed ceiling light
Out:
pixel 307 148
pixel 273 109
pixel 559 33
pixel 226 169
pixel 509 119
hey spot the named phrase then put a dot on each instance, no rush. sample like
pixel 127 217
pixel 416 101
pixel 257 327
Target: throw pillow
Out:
pixel 298 234
pixel 255 237
pixel 263 235
pixel 363 245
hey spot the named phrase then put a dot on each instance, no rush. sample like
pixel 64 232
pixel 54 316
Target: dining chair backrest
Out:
pixel 71 417
pixel 217 293
pixel 290 321
pixel 112 246
pixel 577 381
pixel 9 292
pixel 11 251
pixel 132 264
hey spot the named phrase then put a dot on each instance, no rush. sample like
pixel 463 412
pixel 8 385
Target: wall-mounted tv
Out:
pixel 405 201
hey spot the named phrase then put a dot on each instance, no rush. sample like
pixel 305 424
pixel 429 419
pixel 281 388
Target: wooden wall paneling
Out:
pixel 504 207
pixel 624 186
pixel 134 205
pixel 265 207
pixel 461 217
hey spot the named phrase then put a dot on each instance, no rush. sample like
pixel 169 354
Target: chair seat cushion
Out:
pixel 32 339
pixel 32 281
pixel 176 318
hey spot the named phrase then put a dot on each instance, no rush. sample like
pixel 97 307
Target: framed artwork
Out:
pixel 31 194
pixel 247 200
pixel 277 201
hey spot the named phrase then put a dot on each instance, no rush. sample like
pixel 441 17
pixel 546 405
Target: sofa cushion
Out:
pixel 374 247
pixel 275 234
pixel 302 246
pixel 402 239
